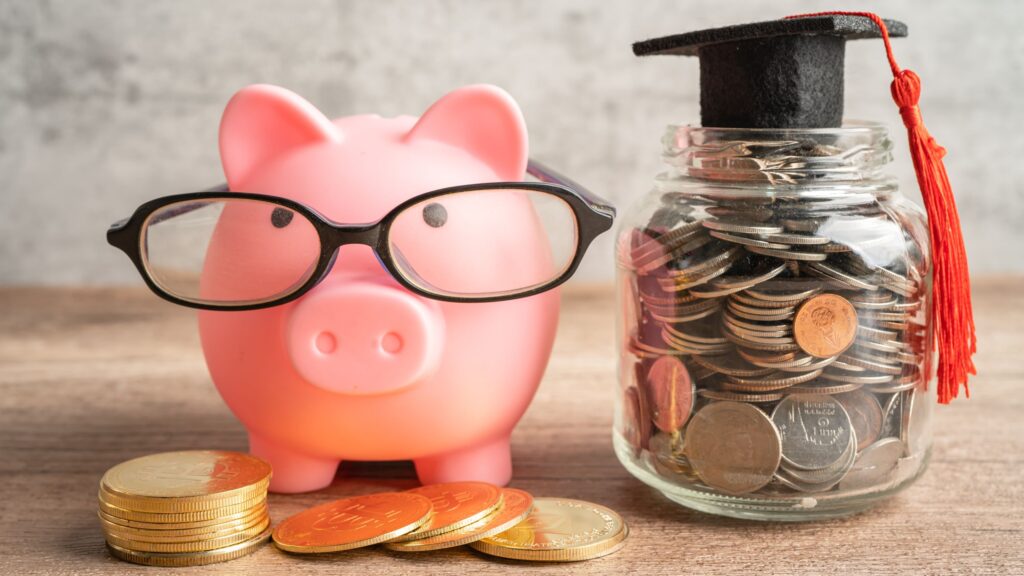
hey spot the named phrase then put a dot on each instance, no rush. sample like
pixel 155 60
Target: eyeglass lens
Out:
pixel 229 251
pixel 484 242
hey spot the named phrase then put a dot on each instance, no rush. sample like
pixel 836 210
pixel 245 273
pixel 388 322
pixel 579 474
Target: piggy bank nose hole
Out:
pixel 391 343
pixel 326 343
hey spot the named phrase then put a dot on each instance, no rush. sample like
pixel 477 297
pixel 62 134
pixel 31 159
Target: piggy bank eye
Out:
pixel 435 215
pixel 281 217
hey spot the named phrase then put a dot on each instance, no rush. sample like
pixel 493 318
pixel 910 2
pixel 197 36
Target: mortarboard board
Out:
pixel 774 74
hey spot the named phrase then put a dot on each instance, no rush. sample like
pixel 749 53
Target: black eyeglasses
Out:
pixel 220 250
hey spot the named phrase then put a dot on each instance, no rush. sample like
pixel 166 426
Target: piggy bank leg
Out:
pixel 293 472
pixel 489 462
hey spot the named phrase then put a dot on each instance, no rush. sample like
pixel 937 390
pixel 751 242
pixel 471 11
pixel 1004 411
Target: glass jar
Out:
pixel 774 325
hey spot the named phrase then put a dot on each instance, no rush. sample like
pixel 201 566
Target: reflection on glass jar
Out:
pixel 774 318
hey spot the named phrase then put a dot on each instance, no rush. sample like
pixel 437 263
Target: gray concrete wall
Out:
pixel 108 103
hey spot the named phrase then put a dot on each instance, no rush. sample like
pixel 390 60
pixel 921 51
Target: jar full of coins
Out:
pixel 774 324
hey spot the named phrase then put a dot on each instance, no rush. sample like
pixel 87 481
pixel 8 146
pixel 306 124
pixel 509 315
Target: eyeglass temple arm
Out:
pixel 549 175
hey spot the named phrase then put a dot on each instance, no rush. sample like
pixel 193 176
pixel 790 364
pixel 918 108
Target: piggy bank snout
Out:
pixel 364 338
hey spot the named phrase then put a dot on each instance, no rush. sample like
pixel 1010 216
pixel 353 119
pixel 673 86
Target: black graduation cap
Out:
pixel 775 74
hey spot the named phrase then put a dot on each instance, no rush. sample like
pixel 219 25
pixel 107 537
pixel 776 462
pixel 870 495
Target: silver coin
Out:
pixel 732 446
pixel 760 314
pixel 815 430
pixel 865 416
pixel 725 285
pixel 828 476
pixel 891 388
pixel 697 332
pixel 814 364
pixel 877 334
pixel 751 337
pixel 874 466
pixel 862 379
pixel 692 347
pixel 890 346
pixel 745 241
pixel 658 260
pixel 740 227
pixel 836 274
pixel 744 331
pixel 774 381
pixel 872 364
pixel 884 304
pixel 763 346
pixel 818 388
pixel 839 364
pixel 793 362
pixel 796 239
pixel 789 297
pixel 678 283
pixel 785 327
pixel 731 365
pixel 818 480
pixel 728 395
pixel 892 426
pixel 789 254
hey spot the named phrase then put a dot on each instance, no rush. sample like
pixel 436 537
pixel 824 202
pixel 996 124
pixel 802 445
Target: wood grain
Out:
pixel 91 377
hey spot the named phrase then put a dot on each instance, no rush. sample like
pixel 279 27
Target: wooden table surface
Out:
pixel 92 377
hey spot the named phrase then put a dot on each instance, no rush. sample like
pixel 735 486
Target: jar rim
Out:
pixel 848 127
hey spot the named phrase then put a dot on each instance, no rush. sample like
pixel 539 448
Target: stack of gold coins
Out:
pixel 502 522
pixel 185 508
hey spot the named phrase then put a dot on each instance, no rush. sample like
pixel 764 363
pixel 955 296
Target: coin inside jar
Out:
pixel 670 392
pixel 814 430
pixel 865 416
pixel 874 465
pixel 825 325
pixel 733 447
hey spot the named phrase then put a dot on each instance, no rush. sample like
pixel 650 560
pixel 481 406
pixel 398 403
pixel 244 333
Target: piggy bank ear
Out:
pixel 262 122
pixel 483 120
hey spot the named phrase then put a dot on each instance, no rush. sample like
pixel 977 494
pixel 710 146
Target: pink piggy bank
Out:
pixel 360 368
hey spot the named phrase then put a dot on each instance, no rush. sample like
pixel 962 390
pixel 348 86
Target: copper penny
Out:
pixel 670 393
pixel 456 504
pixel 825 325
pixel 353 522
pixel 634 427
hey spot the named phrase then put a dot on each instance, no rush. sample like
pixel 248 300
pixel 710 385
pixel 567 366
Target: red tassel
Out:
pixel 955 335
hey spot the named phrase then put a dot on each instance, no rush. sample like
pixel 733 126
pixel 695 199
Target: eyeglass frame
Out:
pixel 593 216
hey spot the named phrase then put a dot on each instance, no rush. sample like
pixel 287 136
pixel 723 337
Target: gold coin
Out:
pixel 559 530
pixel 516 506
pixel 238 519
pixel 456 504
pixel 192 558
pixel 183 534
pixel 353 522
pixel 196 545
pixel 223 512
pixel 185 481
pixel 825 325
